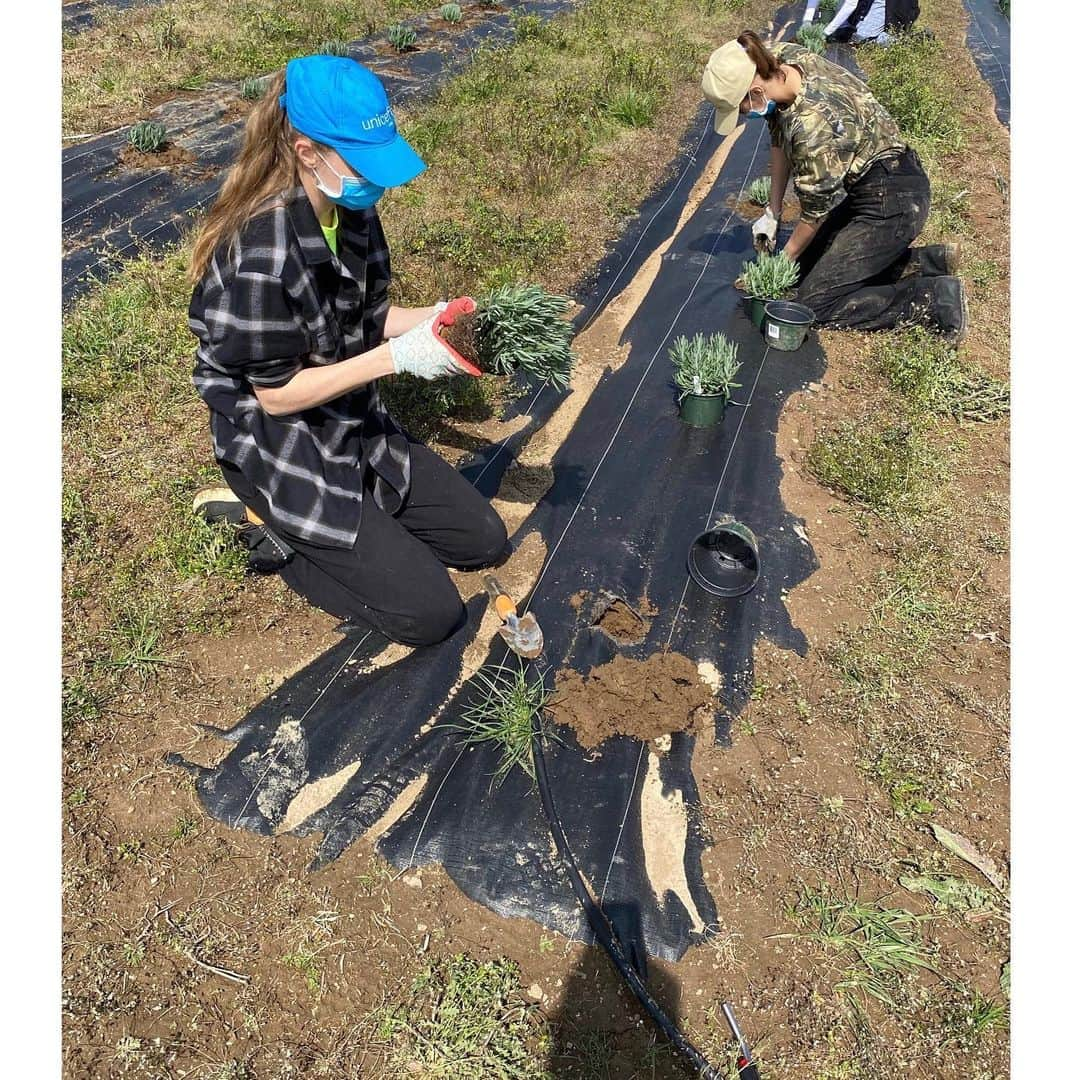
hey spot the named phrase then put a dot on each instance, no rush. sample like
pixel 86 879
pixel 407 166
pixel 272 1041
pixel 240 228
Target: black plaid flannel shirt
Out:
pixel 278 301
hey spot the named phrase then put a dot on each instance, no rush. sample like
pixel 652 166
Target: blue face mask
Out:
pixel 354 193
pixel 760 114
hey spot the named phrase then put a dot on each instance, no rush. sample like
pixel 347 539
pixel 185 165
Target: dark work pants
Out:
pixel 860 270
pixel 394 578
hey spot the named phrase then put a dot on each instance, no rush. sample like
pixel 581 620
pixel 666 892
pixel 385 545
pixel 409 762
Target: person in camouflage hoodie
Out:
pixel 863 193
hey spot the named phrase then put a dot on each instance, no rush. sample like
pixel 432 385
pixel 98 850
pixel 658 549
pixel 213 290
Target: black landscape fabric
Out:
pixel 989 39
pixel 632 488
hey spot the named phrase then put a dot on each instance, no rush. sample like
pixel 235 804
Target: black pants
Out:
pixel 860 270
pixel 394 578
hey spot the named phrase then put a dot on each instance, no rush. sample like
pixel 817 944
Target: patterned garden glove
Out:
pixel 422 352
pixel 764 231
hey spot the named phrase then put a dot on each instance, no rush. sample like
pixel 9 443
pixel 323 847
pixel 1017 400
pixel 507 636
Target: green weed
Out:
pixel 451 13
pixel 882 945
pixel 501 711
pixel 193 548
pixel 306 962
pixel 422 406
pixel 334 47
pixel 920 103
pixel 461 1019
pixel 632 107
pixel 885 466
pixel 138 640
pixel 79 703
pixel 132 330
pixel 929 373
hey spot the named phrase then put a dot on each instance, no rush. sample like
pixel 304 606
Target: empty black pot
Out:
pixel 723 560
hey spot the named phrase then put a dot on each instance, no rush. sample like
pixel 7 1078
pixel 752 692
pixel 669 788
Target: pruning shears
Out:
pixel 745 1062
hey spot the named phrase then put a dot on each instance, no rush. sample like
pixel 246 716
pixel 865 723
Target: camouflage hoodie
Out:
pixel 832 132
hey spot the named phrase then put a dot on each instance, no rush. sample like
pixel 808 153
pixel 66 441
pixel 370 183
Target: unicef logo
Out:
pixel 384 119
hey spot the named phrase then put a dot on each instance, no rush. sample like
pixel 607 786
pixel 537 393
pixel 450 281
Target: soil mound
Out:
pixel 640 698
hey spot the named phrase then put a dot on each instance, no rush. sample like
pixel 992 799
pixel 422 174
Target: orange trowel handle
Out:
pixel 503 604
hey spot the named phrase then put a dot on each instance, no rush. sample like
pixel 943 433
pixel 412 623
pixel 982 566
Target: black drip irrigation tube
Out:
pixel 601 926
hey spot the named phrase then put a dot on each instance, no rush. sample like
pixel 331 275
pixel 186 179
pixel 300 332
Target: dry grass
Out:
pixel 129 60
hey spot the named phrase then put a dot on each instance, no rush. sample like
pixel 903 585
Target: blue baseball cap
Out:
pixel 340 103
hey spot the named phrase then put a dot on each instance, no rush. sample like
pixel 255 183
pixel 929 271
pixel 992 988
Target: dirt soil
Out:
pixel 461 335
pixel 171 156
pixel 750 211
pixel 644 699
pixel 621 622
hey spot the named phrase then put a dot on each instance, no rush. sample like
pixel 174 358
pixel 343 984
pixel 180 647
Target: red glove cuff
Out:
pixel 463 305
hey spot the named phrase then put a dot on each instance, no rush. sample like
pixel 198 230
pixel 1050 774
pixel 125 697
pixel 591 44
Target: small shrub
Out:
pixel 811 36
pixel 705 365
pixel 518 328
pixel 527 27
pixel 826 11
pixel 147 136
pixel 401 36
pixel 632 107
pixel 252 88
pixel 769 277
pixel 450 13
pixel 333 47
pixel 759 191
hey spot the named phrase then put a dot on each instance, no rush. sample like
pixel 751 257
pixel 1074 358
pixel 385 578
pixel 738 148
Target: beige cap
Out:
pixel 726 81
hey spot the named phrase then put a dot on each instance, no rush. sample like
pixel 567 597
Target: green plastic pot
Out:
pixel 786 324
pixel 755 310
pixel 702 410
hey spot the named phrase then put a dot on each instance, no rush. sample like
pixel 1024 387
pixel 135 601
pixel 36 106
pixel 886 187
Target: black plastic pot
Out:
pixel 723 560
pixel 702 410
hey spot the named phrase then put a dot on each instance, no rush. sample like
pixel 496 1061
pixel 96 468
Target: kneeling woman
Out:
pixel 863 193
pixel 295 328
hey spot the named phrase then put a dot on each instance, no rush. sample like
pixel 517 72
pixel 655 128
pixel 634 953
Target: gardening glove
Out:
pixel 764 231
pixel 421 350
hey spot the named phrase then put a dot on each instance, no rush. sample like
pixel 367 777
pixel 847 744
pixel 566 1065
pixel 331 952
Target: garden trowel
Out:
pixel 523 635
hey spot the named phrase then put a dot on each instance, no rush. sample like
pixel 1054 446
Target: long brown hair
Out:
pixel 265 166
pixel 767 65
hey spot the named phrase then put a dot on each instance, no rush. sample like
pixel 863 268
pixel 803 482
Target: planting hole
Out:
pixel 621 623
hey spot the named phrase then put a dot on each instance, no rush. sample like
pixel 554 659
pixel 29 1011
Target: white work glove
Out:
pixel 764 230
pixel 421 351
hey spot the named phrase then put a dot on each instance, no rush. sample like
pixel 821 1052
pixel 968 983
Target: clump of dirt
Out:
pixel 578 599
pixel 750 211
pixel 640 698
pixel 620 622
pixel 462 335
pixel 169 156
pixel 526 483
